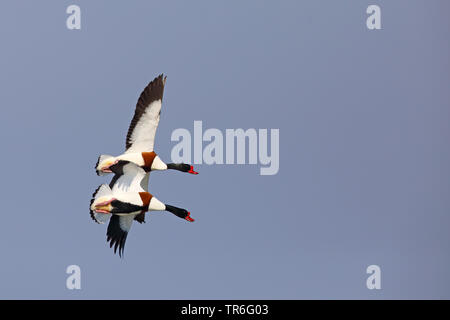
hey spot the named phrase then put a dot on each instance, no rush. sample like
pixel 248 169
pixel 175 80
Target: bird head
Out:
pixel 179 212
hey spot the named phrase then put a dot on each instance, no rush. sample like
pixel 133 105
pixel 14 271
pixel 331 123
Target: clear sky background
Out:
pixel 364 152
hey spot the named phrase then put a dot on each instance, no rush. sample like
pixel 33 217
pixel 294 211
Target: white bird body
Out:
pixel 148 160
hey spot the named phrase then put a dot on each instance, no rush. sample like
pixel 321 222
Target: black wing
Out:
pixel 117 233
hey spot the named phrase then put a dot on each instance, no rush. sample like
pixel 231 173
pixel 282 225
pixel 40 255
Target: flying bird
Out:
pixel 126 199
pixel 141 135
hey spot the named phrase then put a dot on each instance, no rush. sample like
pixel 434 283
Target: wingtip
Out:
pixel 92 201
pixel 161 78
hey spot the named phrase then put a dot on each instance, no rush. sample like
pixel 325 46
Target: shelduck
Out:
pixel 141 135
pixel 126 199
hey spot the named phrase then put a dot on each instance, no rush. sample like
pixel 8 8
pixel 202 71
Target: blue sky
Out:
pixel 364 154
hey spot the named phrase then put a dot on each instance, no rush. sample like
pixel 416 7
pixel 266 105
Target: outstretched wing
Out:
pixel 117 233
pixel 129 178
pixel 142 130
